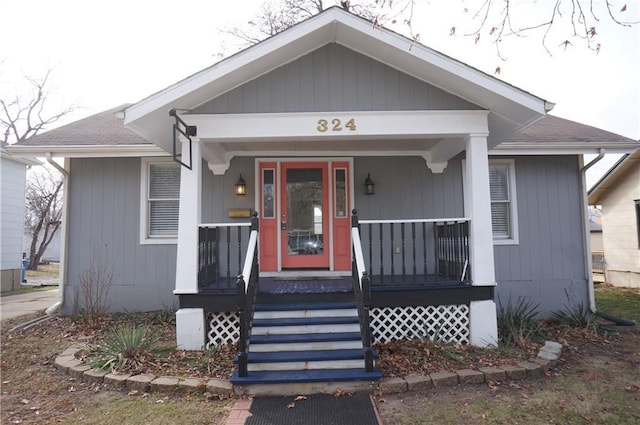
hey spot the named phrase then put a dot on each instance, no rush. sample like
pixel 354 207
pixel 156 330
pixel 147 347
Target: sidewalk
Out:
pixel 19 305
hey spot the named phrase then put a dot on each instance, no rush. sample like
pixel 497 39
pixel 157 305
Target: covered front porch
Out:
pixel 419 269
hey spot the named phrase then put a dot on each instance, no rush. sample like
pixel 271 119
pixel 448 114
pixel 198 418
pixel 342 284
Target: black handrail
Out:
pixel 362 290
pixel 247 288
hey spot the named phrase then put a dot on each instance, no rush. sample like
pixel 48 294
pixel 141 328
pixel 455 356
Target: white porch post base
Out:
pixel 483 323
pixel 190 329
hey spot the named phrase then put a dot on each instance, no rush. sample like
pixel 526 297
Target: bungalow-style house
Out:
pixel 332 186
pixel 618 192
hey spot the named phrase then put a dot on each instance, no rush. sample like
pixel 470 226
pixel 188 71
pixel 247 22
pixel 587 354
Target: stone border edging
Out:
pixel 67 362
pixel 547 358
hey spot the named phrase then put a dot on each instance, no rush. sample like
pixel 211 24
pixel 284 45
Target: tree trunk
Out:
pixel 37 251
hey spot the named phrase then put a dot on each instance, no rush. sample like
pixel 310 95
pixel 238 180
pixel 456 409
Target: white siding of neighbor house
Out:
pixel 619 230
pixel 12 209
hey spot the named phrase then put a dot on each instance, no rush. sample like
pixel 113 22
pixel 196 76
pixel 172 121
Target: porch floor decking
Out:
pixel 337 284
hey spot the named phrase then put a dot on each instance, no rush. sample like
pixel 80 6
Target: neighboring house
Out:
pixel 13 172
pixel 618 192
pixel 467 194
pixel 595 228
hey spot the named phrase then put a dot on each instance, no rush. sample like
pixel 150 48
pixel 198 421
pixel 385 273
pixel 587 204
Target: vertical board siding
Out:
pixel 104 220
pixel 406 188
pixel 333 78
pixel 548 263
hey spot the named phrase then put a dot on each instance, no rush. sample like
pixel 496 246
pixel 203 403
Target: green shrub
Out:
pixel 517 323
pixel 125 348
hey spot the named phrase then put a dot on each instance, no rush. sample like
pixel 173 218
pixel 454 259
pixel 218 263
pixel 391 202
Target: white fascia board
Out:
pixel 436 68
pixel 338 26
pixel 83 151
pixel 549 149
pixel 23 160
pixel 298 126
pixel 261 58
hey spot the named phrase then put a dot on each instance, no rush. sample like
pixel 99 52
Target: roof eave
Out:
pixel 88 151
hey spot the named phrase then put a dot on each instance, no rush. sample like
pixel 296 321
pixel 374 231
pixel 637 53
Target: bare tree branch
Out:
pixel 21 119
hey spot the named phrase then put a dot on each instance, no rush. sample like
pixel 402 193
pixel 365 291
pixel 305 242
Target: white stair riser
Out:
pixel 305 346
pixel 305 329
pixel 305 313
pixel 309 365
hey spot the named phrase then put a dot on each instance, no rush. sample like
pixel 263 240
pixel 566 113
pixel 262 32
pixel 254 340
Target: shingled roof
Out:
pixel 101 129
pixel 551 132
pixel 555 132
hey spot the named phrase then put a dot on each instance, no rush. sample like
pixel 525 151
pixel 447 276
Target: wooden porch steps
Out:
pixel 305 347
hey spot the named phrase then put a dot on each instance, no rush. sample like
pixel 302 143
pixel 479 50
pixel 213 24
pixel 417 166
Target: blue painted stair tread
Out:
pixel 311 355
pixel 305 321
pixel 307 337
pixel 294 376
pixel 305 306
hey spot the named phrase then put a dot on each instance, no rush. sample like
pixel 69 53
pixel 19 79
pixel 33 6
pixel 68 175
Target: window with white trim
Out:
pixel 503 201
pixel 160 201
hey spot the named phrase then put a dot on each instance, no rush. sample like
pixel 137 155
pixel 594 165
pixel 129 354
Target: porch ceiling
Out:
pixel 510 108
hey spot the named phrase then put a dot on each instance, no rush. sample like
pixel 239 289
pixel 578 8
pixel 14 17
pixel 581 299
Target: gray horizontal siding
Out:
pixel 548 263
pixel 333 78
pixel 104 221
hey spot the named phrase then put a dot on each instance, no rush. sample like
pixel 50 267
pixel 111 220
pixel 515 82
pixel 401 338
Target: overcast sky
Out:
pixel 119 51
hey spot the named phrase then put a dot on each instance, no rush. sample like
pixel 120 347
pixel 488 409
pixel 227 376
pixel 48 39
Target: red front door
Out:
pixel 304 215
pixel 304 224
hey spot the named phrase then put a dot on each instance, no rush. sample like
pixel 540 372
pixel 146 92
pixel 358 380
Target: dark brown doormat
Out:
pixel 318 409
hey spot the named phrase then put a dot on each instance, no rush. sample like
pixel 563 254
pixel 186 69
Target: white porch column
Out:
pixel 477 204
pixel 190 326
pixel 188 221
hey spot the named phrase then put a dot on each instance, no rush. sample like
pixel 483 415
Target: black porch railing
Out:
pixel 416 251
pixel 246 289
pixel 220 248
pixel 451 242
pixel 362 291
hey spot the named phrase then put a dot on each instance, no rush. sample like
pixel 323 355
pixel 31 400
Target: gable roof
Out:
pixel 511 108
pixel 553 132
pixel 611 179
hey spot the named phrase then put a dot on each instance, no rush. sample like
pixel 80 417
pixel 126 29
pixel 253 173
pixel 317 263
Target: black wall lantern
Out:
pixel 241 186
pixel 369 186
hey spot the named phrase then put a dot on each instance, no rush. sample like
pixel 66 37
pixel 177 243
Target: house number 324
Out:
pixel 335 125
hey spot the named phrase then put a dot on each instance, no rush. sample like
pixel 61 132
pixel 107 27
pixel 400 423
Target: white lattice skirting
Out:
pixel 448 323
pixel 223 328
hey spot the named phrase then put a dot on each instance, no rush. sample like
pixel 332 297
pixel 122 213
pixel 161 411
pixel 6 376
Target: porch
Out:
pixel 420 284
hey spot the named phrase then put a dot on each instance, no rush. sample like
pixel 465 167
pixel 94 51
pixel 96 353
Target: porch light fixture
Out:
pixel 369 186
pixel 241 186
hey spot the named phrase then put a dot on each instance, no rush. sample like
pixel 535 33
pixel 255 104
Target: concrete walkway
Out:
pixel 19 305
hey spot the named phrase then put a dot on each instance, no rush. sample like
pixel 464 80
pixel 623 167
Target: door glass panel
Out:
pixel 340 191
pixel 304 209
pixel 268 203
